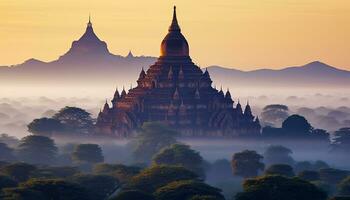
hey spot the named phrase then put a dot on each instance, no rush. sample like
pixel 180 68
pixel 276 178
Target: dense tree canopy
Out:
pixel 280 169
pixel 277 154
pixel 150 179
pixel 296 125
pixel 247 163
pixel 333 176
pixel 56 189
pixel 98 186
pixel 6 153
pixel 122 172
pixel 6 182
pixel 75 120
pixel 274 114
pixel 344 187
pixel 35 149
pixel 153 137
pixel 133 195
pixel 186 190
pixel 45 126
pixel 181 155
pixel 18 171
pixel 280 187
pixel 309 175
pixel 89 153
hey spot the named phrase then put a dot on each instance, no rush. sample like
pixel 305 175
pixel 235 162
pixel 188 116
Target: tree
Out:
pixel 98 186
pixel 20 193
pixel 181 155
pixel 247 163
pixel 56 189
pixel 279 187
pixel 35 149
pixel 344 187
pixel 89 153
pixel 274 114
pixel 205 197
pixel 186 189
pixel 296 125
pixel 341 141
pixel 7 182
pixel 75 120
pixel 6 153
pixel 150 179
pixel 302 166
pixel 55 172
pixel 9 140
pixel 333 176
pixel 45 126
pixel 309 175
pixel 18 171
pixel 280 169
pixel 133 194
pixel 277 154
pixel 153 137
pixel 122 172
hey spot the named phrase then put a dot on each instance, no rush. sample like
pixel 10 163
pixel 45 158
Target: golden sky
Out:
pixel 244 34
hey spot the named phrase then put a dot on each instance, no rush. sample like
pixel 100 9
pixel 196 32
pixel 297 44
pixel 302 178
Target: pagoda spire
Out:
pixel 89 24
pixel 174 24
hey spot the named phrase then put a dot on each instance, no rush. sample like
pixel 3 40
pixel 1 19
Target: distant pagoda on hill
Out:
pixel 178 93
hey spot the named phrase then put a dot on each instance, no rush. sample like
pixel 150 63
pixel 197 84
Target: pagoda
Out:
pixel 178 93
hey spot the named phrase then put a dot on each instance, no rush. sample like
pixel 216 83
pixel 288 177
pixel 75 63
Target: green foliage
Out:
pixel 6 153
pixel 6 182
pixel 153 137
pixel 277 154
pixel 122 172
pixel 204 197
pixel 18 171
pixel 45 126
pixel 247 163
pixel 344 187
pixel 35 149
pixel 75 120
pixel 309 175
pixel 98 186
pixel 280 169
pixel 133 195
pixel 89 153
pixel 186 190
pixel 333 176
pixel 56 189
pixel 150 179
pixel 279 187
pixel 181 155
pixel 328 188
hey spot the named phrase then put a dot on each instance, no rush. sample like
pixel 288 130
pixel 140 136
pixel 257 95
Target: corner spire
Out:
pixel 174 24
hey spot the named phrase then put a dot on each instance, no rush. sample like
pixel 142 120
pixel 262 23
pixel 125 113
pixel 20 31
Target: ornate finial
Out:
pixel 174 24
pixel 89 23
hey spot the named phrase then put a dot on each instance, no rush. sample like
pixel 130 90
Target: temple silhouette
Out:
pixel 178 93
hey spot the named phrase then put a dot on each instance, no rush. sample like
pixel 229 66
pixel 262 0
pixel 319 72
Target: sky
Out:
pixel 242 34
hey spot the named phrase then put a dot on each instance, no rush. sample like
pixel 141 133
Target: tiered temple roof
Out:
pixel 177 92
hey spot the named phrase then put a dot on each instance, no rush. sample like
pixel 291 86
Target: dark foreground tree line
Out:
pixel 163 169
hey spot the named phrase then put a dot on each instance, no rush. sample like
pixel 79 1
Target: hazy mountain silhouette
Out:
pixel 89 61
pixel 314 74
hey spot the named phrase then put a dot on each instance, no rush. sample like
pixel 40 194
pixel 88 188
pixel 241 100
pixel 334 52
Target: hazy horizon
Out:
pixel 274 33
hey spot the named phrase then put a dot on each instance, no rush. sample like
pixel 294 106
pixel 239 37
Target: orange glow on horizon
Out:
pixel 244 34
